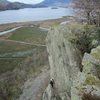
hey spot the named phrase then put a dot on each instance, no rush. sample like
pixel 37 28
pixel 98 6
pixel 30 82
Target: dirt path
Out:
pixel 37 87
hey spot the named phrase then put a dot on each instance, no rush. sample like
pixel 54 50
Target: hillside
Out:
pixel 6 5
pixel 54 3
pixel 4 1
pixel 17 5
pixel 3 4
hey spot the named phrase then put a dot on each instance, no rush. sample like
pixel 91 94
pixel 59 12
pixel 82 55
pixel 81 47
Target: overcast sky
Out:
pixel 27 1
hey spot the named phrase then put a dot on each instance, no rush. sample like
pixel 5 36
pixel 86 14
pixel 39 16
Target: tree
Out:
pixel 90 10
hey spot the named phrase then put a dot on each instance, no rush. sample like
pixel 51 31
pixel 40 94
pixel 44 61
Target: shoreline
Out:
pixel 43 23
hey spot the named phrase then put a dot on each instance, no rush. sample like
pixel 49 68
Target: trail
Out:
pixel 35 91
pixel 24 42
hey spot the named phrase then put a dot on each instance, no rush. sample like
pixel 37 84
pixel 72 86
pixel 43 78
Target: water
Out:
pixel 32 14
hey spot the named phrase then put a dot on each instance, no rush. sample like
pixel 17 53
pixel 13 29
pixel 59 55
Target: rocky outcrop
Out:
pixel 71 80
pixel 64 62
pixel 87 84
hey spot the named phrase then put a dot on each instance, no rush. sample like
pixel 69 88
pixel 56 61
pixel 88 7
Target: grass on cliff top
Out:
pixel 29 34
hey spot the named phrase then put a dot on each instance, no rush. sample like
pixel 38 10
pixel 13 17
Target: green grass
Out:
pixel 29 34
pixel 9 47
pixel 9 64
pixel 20 52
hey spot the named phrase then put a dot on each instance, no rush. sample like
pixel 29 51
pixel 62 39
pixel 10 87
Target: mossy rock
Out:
pixel 14 92
pixel 90 80
pixel 96 53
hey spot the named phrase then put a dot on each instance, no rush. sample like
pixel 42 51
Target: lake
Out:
pixel 33 14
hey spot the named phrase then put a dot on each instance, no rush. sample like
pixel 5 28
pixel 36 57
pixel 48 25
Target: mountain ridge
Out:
pixel 7 5
pixel 54 2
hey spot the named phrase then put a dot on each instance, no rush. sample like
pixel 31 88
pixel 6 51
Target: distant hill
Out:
pixel 4 2
pixel 17 5
pixel 6 5
pixel 54 2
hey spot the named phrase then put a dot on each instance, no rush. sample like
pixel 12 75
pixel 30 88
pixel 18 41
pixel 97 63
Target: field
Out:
pixel 12 54
pixel 32 35
pixel 9 47
pixel 13 50
pixel 29 34
pixel 22 55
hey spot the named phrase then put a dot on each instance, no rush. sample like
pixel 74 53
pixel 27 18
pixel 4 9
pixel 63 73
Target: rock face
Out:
pixel 87 84
pixel 70 82
pixel 64 61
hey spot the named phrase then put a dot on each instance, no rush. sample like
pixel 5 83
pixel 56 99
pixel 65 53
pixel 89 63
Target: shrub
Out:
pixel 98 34
pixel 84 40
pixel 90 97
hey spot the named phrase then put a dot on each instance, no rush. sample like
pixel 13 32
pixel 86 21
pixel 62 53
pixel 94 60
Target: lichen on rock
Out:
pixel 89 87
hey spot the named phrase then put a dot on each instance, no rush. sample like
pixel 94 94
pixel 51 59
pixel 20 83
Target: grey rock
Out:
pixel 64 62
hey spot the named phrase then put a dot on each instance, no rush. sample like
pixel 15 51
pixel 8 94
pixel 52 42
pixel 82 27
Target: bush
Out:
pixel 98 34
pixel 84 40
pixel 90 97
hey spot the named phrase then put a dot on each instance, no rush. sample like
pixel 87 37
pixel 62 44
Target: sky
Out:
pixel 27 1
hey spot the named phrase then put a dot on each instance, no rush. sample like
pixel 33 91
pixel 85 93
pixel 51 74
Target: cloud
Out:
pixel 27 1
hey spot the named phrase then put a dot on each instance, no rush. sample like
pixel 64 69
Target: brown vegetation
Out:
pixel 90 97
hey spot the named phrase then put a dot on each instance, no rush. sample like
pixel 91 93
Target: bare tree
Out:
pixel 90 10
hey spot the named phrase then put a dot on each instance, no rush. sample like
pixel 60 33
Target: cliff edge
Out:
pixel 70 78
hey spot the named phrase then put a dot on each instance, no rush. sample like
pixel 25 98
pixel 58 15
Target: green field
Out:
pixel 9 64
pixel 12 54
pixel 9 47
pixel 29 34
